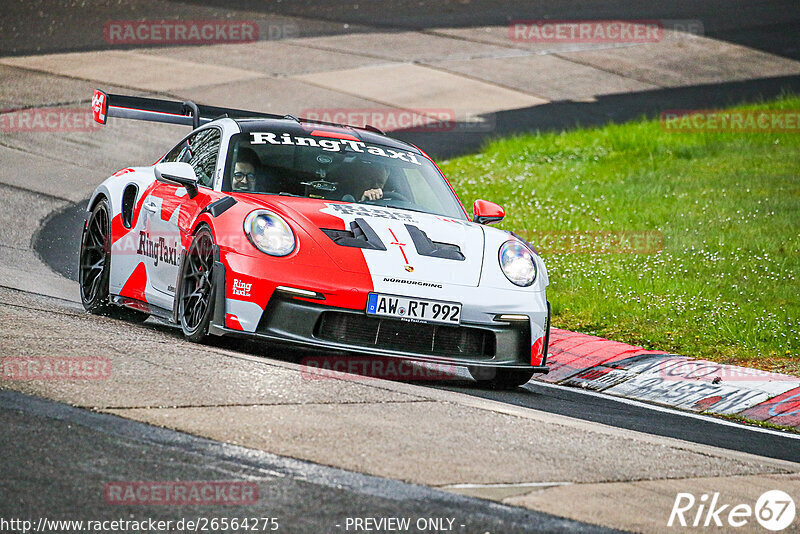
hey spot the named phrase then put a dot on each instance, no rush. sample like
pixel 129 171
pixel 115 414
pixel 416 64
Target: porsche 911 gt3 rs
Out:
pixel 323 236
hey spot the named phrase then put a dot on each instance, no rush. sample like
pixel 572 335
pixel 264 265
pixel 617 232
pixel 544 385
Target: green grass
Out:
pixel 726 285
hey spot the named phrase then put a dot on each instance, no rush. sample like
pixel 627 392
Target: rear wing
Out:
pixel 154 110
pixel 187 113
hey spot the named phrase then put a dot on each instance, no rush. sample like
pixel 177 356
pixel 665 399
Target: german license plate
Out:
pixel 413 309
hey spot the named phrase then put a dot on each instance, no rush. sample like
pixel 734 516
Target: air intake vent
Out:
pixel 429 339
pixel 426 247
pixel 360 235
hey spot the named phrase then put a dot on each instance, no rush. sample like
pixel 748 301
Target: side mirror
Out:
pixel 177 173
pixel 486 212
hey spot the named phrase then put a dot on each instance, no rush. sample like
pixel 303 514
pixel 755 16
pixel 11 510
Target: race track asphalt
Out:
pixel 56 458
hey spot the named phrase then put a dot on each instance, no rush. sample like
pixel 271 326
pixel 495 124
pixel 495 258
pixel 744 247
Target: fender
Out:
pixel 203 218
pixel 113 187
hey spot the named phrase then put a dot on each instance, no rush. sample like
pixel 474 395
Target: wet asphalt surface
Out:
pixel 60 251
pixel 56 459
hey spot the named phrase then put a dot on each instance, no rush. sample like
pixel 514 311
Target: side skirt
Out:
pixel 156 311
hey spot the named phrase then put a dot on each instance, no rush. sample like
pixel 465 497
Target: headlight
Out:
pixel 269 233
pixel 517 263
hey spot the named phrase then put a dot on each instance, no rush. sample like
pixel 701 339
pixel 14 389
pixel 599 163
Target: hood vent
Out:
pixel 360 235
pixel 434 249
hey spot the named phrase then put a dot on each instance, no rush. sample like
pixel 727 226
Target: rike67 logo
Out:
pixel 774 510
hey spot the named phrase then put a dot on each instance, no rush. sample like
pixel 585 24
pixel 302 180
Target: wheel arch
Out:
pixel 114 188
pixel 99 195
pixel 218 301
pixel 204 221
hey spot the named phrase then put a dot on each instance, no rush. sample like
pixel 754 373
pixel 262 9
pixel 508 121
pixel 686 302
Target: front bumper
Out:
pixel 317 327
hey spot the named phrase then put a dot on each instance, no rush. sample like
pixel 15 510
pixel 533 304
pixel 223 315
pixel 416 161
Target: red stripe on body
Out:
pixel 135 285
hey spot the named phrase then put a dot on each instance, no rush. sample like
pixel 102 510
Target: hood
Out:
pixel 395 243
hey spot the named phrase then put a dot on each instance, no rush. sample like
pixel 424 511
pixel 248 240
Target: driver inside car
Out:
pixel 366 180
pixel 244 170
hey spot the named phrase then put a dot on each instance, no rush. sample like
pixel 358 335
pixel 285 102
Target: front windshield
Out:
pixel 349 170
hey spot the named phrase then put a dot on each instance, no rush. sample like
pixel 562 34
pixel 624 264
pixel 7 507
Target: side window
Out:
pixel 202 155
pixel 176 153
pixel 200 151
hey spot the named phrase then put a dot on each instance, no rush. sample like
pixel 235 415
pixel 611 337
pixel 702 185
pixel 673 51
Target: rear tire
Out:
pixel 500 377
pixel 95 265
pixel 196 298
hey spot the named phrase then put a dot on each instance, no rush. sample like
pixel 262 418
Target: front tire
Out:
pixel 500 377
pixel 95 268
pixel 196 298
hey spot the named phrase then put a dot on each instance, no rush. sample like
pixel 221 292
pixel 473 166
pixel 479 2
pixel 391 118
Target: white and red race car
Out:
pixel 322 236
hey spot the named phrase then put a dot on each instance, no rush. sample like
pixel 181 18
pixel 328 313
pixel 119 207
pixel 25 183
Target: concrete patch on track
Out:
pixel 678 59
pixel 685 61
pixel 555 78
pixel 400 46
pixel 297 97
pixel 646 505
pixel 335 434
pixel 131 69
pixel 65 477
pixel 158 378
pixel 408 86
pixel 24 88
pixel 272 58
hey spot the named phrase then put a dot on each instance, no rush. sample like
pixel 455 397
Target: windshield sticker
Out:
pixel 332 145
pixel 361 210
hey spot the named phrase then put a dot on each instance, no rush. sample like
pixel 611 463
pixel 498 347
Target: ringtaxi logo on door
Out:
pixel 774 510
